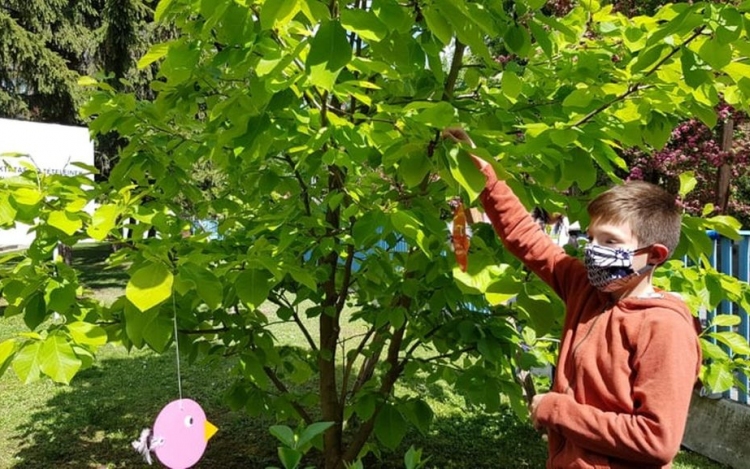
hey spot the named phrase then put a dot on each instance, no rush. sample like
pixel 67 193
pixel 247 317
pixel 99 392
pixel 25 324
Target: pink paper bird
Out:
pixel 179 437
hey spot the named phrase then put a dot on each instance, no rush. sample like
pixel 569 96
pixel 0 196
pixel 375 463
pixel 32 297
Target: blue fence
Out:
pixel 732 258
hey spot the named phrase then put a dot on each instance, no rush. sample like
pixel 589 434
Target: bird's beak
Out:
pixel 209 430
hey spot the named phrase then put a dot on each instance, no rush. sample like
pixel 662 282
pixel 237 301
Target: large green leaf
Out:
pixel 253 286
pixel 66 222
pixel 365 23
pixel 390 426
pixel 26 364
pixel 149 327
pixel 149 286
pixel 58 360
pixel 274 11
pixel 85 333
pixel 155 52
pixel 7 212
pixel 7 350
pixel 103 221
pixel 329 53
pixel 407 224
pixel 718 377
pixel 465 172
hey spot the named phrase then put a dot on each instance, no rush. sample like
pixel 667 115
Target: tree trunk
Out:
pixel 66 252
pixel 724 175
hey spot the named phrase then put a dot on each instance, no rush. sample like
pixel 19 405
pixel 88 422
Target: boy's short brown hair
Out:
pixel 651 212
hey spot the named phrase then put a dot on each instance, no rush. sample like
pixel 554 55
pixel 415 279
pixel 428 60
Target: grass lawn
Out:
pixel 91 423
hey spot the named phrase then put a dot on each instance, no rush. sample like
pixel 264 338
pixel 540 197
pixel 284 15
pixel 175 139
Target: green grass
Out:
pixel 91 423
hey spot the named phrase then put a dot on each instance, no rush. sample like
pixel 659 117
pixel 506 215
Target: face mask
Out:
pixel 610 269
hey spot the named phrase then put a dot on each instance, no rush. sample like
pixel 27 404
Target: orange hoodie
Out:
pixel 626 369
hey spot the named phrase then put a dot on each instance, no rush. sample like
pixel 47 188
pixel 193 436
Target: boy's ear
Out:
pixel 658 254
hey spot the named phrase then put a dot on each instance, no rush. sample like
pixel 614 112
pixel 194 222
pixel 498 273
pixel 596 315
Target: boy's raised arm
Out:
pixel 520 234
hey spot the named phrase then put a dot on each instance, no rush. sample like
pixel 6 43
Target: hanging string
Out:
pixel 177 348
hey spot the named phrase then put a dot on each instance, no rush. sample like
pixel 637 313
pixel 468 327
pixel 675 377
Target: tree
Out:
pixel 46 46
pixel 324 119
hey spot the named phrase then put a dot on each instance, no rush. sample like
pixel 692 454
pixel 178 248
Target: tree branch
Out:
pixel 637 87
pixel 450 82
pixel 284 390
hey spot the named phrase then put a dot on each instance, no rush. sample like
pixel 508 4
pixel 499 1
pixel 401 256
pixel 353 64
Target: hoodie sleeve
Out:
pixel 523 237
pixel 666 365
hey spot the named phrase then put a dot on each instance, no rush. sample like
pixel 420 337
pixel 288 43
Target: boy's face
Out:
pixel 617 236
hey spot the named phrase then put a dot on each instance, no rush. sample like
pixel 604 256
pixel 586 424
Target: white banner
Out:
pixel 51 148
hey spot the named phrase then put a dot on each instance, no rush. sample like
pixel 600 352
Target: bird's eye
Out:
pixel 188 421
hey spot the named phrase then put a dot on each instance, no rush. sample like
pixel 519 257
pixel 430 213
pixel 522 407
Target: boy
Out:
pixel 629 354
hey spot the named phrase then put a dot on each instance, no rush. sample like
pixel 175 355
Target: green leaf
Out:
pixel 725 320
pixel 414 167
pixel 648 58
pixel 86 81
pixel 725 225
pixel 149 286
pixel 715 54
pixel 511 85
pixel 7 212
pixel 253 286
pixel 7 350
pixel 312 431
pixel 161 8
pixel 733 340
pixel 578 99
pixel 390 426
pixel 687 183
pixel 412 229
pixel 284 434
pixel 712 351
pixel 364 23
pixel 35 310
pixel 58 360
pixel 274 11
pixel 66 222
pixel 465 172
pixel 329 53
pixel 718 377
pixel 27 361
pixel 155 52
pixel 438 115
pixel 289 457
pixel 730 26
pixel 208 286
pixel 438 25
pixel 103 221
pixel 85 333
pixel 27 196
pixel 693 71
pixel 518 40
pixel 150 327
pixel 542 37
pixel 419 414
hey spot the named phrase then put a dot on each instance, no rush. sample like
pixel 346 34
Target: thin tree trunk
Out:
pixel 724 175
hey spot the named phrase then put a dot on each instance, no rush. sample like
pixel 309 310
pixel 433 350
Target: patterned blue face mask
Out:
pixel 611 269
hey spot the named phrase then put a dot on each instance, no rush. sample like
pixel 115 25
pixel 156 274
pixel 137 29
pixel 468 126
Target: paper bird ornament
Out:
pixel 179 437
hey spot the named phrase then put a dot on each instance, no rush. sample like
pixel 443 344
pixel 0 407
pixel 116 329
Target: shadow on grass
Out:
pixel 92 422
pixel 94 272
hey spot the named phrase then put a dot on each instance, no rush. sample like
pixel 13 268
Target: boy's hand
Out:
pixel 533 408
pixel 459 135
